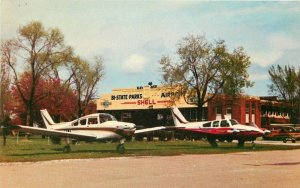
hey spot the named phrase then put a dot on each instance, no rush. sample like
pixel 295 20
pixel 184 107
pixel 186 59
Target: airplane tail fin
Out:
pixel 47 119
pixel 178 118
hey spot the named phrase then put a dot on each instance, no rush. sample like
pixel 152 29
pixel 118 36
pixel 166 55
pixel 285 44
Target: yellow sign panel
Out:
pixel 147 97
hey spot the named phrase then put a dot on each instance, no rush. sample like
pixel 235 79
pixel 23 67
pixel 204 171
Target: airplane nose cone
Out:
pixel 132 126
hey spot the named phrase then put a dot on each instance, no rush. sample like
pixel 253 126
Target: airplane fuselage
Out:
pixel 109 129
pixel 223 129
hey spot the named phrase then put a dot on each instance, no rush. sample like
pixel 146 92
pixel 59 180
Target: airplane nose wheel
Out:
pixel 253 145
pixel 121 148
pixel 67 149
pixel 241 144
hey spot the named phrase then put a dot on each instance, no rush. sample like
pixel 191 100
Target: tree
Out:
pixel 285 82
pixel 84 78
pixel 4 98
pixel 37 50
pixel 5 82
pixel 50 94
pixel 205 70
pixel 236 74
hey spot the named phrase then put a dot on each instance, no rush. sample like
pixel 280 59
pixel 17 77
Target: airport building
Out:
pixel 150 106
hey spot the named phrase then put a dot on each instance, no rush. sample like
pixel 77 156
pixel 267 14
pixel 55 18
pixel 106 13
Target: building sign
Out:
pixel 126 97
pixel 140 98
pixel 169 94
pixel 106 104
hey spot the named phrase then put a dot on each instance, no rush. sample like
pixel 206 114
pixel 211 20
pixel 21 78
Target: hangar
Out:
pixel 149 106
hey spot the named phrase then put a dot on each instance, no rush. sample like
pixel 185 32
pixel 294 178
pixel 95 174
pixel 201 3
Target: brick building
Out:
pixel 245 109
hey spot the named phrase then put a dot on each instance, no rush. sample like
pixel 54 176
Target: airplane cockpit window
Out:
pixel 106 117
pixel 207 124
pixel 216 124
pixel 224 123
pixel 93 121
pixel 234 122
pixel 83 122
pixel 75 123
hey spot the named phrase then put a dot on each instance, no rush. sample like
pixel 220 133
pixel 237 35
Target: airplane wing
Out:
pixel 206 132
pixel 36 130
pixel 149 129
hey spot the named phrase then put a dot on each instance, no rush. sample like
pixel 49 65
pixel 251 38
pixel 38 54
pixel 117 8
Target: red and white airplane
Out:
pixel 225 129
pixel 93 127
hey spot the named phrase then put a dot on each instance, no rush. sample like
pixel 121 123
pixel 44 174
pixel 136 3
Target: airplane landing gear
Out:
pixel 121 147
pixel 212 142
pixel 253 145
pixel 67 149
pixel 241 144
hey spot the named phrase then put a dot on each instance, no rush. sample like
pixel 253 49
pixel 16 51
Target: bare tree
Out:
pixel 4 97
pixel 84 77
pixel 204 70
pixel 285 82
pixel 5 82
pixel 36 51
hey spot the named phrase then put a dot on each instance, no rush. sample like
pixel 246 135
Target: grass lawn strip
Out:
pixel 38 149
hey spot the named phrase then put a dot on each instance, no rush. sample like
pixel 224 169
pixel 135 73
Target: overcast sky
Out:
pixel 132 36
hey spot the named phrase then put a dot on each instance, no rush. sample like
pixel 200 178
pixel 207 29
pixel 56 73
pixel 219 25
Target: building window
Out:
pixel 219 110
pixel 247 108
pixel 253 109
pixel 228 110
pixel 193 114
pixel 160 117
pixel 126 115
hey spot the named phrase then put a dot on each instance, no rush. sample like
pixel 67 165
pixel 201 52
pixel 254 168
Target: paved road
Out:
pixel 248 169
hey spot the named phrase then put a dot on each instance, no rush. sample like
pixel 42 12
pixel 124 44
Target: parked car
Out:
pixel 283 133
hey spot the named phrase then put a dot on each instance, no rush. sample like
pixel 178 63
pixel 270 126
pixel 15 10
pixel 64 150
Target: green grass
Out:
pixel 37 149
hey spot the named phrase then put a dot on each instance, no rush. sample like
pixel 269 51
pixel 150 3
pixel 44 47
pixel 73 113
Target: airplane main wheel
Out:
pixel 253 145
pixel 67 149
pixel 121 148
pixel 241 144
pixel 212 142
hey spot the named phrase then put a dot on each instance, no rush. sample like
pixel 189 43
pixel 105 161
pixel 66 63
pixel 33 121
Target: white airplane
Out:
pixel 225 129
pixel 93 127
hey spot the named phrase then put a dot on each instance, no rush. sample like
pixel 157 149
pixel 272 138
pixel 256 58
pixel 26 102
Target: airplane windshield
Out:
pixel 106 117
pixel 234 122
